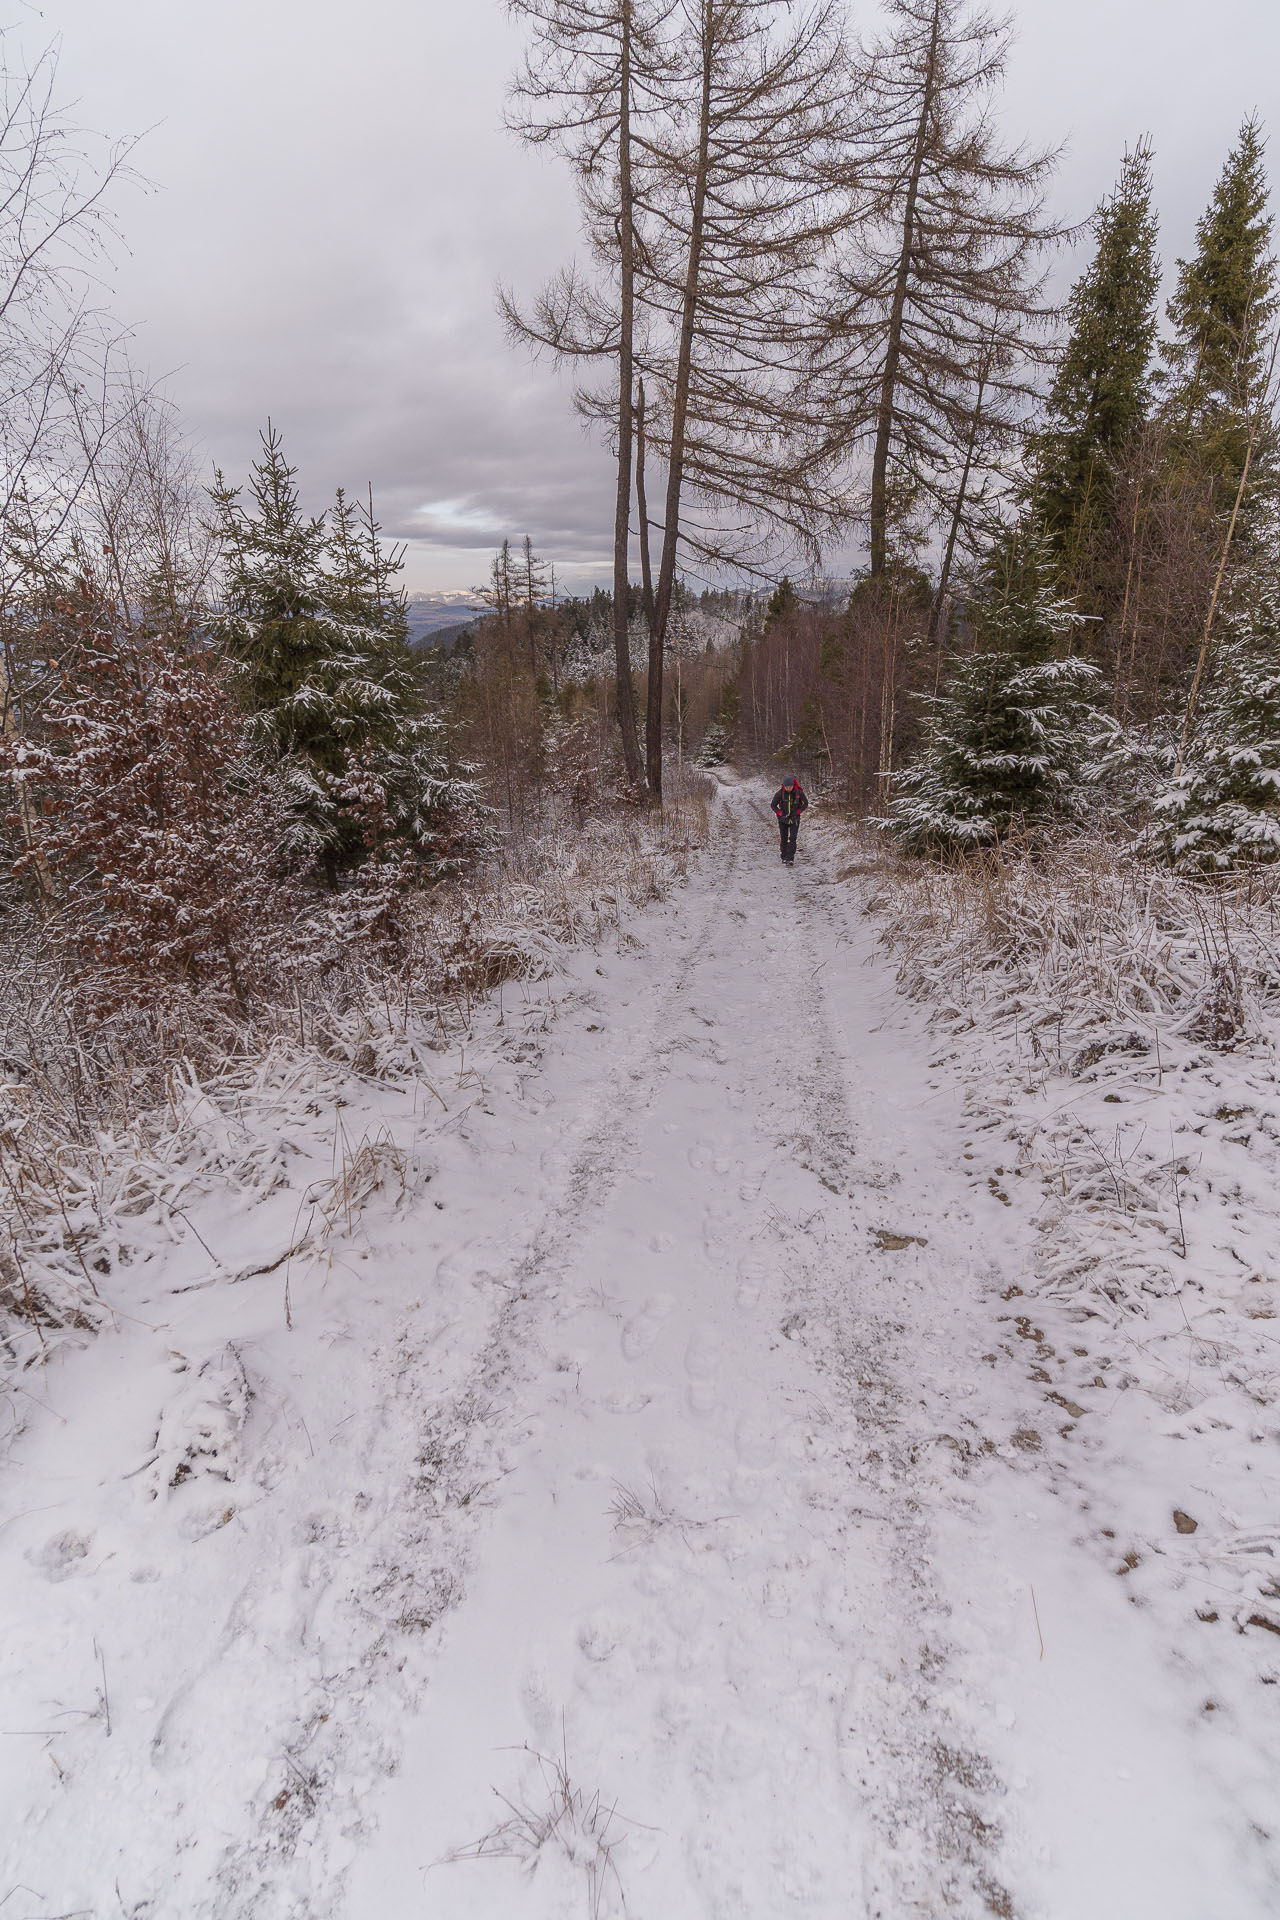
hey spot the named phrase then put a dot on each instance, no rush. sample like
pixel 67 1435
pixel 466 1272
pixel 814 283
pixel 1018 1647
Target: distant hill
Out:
pixel 436 619
pixel 446 637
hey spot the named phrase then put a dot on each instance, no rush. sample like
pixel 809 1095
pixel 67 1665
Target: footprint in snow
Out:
pixel 633 1400
pixel 721 1226
pixel 753 1271
pixel 535 1698
pixel 642 1330
pixel 702 1355
pixel 62 1555
pixel 755 1439
pixel 702 1364
pixel 601 1634
pixel 775 1600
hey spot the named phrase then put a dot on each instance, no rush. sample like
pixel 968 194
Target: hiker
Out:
pixel 788 803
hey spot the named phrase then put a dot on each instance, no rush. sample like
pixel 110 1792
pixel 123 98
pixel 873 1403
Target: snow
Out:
pixel 647 1484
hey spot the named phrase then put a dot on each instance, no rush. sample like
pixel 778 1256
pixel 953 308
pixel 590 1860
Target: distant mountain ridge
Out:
pixel 430 613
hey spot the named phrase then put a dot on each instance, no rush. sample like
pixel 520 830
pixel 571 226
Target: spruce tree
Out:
pixel 1101 390
pixel 1008 739
pixel 1221 808
pixel 1221 312
pixel 783 602
pixel 310 615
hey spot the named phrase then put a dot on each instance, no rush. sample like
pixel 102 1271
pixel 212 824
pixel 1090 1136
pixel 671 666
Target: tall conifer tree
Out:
pixel 940 288
pixel 1219 806
pixel 1222 312
pixel 1101 392
pixel 1008 737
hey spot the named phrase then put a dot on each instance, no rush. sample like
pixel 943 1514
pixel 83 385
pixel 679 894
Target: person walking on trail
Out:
pixel 788 803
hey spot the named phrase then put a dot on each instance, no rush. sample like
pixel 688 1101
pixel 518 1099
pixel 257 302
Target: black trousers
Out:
pixel 788 829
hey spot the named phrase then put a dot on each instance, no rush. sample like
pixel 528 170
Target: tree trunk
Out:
pixel 626 376
pixel 893 348
pixel 11 731
pixel 679 412
pixel 957 517
pixel 642 506
pixel 1203 655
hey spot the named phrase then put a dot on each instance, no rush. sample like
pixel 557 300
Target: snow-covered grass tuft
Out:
pixel 560 1824
pixel 1085 937
pixel 639 1513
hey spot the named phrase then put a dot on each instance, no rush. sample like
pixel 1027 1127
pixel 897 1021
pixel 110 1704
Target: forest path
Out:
pixel 776 1611
pixel 647 1477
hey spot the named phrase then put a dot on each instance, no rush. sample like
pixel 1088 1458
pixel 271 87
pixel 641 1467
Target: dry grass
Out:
pixel 104 1126
pixel 1086 937
pixel 1086 970
pixel 577 1828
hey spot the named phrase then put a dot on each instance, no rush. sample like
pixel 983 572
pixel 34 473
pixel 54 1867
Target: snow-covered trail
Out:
pixel 775 1654
pixel 653 1502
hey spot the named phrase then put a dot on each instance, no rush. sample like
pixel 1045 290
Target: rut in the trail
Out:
pixel 703 1580
pixel 458 1455
pixel 933 1799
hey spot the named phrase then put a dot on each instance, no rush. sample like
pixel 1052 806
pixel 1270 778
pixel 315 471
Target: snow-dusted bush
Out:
pixel 143 822
pixel 104 1128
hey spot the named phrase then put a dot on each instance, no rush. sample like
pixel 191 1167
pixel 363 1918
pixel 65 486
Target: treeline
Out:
pixel 813 287
pixel 533 687
pixel 223 768
pixel 818 305
pixel 1111 640
pixel 222 759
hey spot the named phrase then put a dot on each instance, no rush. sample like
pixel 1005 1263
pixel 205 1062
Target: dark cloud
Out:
pixel 335 198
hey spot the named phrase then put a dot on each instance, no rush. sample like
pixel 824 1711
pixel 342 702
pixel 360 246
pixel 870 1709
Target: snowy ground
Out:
pixel 658 1478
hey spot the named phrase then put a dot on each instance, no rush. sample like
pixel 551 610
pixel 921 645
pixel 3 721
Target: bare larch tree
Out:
pixel 740 177
pixel 936 312
pixel 586 77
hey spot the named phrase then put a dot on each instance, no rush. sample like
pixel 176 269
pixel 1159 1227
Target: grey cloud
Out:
pixel 336 198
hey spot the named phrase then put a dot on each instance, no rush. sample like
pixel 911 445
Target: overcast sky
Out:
pixel 335 196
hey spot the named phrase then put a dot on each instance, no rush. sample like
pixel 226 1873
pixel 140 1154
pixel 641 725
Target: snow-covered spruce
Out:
pixel 1007 750
pixel 1221 807
pixel 312 616
pixel 714 750
pixel 1008 743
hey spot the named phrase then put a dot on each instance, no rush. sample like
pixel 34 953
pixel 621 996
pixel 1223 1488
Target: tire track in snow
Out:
pixel 933 1797
pixel 433 1522
pixel 750 1657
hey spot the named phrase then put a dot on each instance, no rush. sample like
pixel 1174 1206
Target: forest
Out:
pixel 820 311
pixel 542 1347
pixel 822 317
